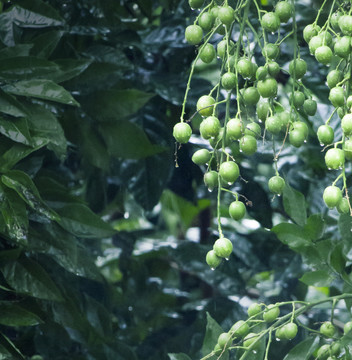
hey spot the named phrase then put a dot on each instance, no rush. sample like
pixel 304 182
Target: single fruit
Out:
pixel 343 206
pixel 280 334
pixel 342 47
pixel 270 22
pixel 224 340
pixel 267 88
pixel 273 68
pixel 240 328
pixel 207 53
pixel 325 134
pixel 309 31
pixel 271 51
pixel 211 180
pixel 248 145
pixel 347 148
pixel 273 124
pixel 271 313
pixel 334 158
pixel 235 128
pixel 314 43
pixel 228 81
pixel 223 247
pixel 332 196
pixel 263 108
pixel 290 331
pixel 337 96
pixel 229 171
pixel 206 21
pixel 323 54
pixel 244 68
pixel 210 127
pixel 205 105
pixel 296 137
pixel 276 184
pixel 221 48
pixel 300 125
pixel 349 102
pixel 333 78
pixel 194 34
pixel 345 24
pixel 346 124
pixel 182 132
pixel 212 259
pixel 335 348
pixel 298 68
pixel 327 329
pixel 335 20
pixel 341 112
pixel 201 157
pixel 323 352
pixel 195 4
pixel 226 15
pixel 251 341
pixel 285 118
pixel 254 309
pixel 253 129
pixel 297 98
pixel 284 10
pixel 237 210
pixel 261 73
pixel 347 327
pixel 251 96
pixel 310 107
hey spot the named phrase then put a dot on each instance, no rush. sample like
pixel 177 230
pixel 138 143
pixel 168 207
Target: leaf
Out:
pixel 10 106
pixel 16 130
pixel 319 278
pixel 16 50
pixel 292 235
pixel 42 89
pixel 337 259
pixel 179 356
pixel 69 68
pixel 15 315
pixel 212 332
pixel 45 43
pixel 28 277
pixel 315 227
pixel 80 221
pixel 295 205
pixel 303 350
pixel 10 347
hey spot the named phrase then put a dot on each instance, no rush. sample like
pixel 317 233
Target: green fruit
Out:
pixel 285 118
pixel 211 180
pixel 240 329
pixel 325 134
pixel 347 148
pixel 343 206
pixel 215 11
pixel 323 352
pixel 251 96
pixel 204 105
pixel 271 51
pixel 276 184
pixel 332 196
pixel 333 78
pixel 229 171
pixel 297 67
pixel 206 21
pixel 274 125
pixel 310 31
pixel 271 313
pixel 224 340
pixel 250 339
pixel 290 331
pixel 301 126
pixel 212 259
pixel 334 158
pixel 263 108
pixel 296 137
pixel 270 22
pixel 267 88
pixel 253 129
pixel 228 81
pixel 235 128
pixel 310 107
pixel 207 53
pixel 237 210
pixel 347 327
pixel 195 4
pixel 222 48
pixel 210 127
pixel 349 102
pixel 261 73
pixel 345 24
pixel 226 15
pixel 335 348
pixel 273 68
pixel 254 309
pixel 346 124
pixel 284 10
pixel 297 99
pixel 337 96
pixel 248 145
pixel 323 54
pixel 201 157
pixel 335 20
pixel 341 112
pixel 342 47
pixel 223 247
pixel 244 68
pixel 194 34
pixel 314 43
pixel 327 329
pixel 182 132
pixel 280 334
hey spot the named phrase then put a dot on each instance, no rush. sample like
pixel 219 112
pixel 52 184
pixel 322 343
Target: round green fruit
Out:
pixel 346 124
pixel 194 34
pixel 251 96
pixel 205 105
pixel 224 340
pixel 276 184
pixel 337 96
pixel 244 68
pixel 323 54
pixel 349 102
pixel 237 210
pixel 235 128
pixel 212 259
pixel 347 327
pixel 347 148
pixel 280 334
pixel 228 81
pixel 271 51
pixel 323 352
pixel 284 10
pixel 254 309
pixel 211 180
pixel 267 88
pixel 201 157
pixel 296 137
pixel 226 15
pixel 248 145
pixel 251 341
pixel 261 73
pixel 271 313
pixel 297 99
pixel 182 132
pixel 327 329
pixel 207 53
pixel 345 24
pixel 263 108
pixel 334 158
pixel 298 68
pixel 342 47
pixel 229 171
pixel 332 196
pixel 270 22
pixel 253 129
pixel 300 125
pixel 325 134
pixel 273 68
pixel 333 78
pixel 223 247
pixel 314 43
pixel 273 124
pixel 310 31
pixel 343 206
pixel 310 107
pixel 222 48
pixel 210 127
pixel 206 21
pixel 195 4
pixel 290 331
pixel 240 329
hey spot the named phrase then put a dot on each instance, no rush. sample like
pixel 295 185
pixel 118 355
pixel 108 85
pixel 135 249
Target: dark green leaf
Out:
pixel 15 315
pixel 16 130
pixel 179 356
pixel 315 227
pixel 15 51
pixel 10 255
pixel 292 235
pixel 45 44
pixel 68 69
pixel 212 332
pixel 295 205
pixel 9 105
pixel 303 350
pixel 10 347
pixel 42 89
pixel 319 278
pixel 337 259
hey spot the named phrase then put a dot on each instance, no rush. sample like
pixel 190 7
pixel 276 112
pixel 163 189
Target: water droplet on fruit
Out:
pixel 254 351
pixel 241 150
pixel 227 259
pixel 305 141
pixel 340 167
pixel 272 33
pixel 329 168
pixel 260 121
pixel 229 183
pixel 278 195
pixel 321 145
pixel 210 190
pixel 277 339
pixel 212 269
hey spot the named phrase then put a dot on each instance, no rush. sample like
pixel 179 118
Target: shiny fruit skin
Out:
pixel 310 107
pixel 237 210
pixel 182 132
pixel 251 96
pixel 323 54
pixel 298 67
pixel 271 313
pixel 332 196
pixel 325 134
pixel 254 309
pixel 212 259
pixel 229 171
pixel 235 128
pixel 240 328
pixel 204 105
pixel 334 158
pixel 267 88
pixel 327 329
pixel 248 145
pixel 346 124
pixel 276 184
pixel 194 34
pixel 207 53
pixel 223 247
pixel 210 127
pixel 201 157
pixel 284 11
pixel 270 22
pixel 211 179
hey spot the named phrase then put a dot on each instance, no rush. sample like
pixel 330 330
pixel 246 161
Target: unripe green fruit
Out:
pixel 290 331
pixel 195 4
pixel 251 96
pixel 341 112
pixel 207 53
pixel 212 259
pixel 273 68
pixel 345 24
pixel 270 22
pixel 325 134
pixel 343 206
pixel 310 107
pixel 349 102
pixel 267 88
pixel 334 158
pixel 194 34
pixel 182 132
pixel 226 15
pixel 285 118
pixel 347 148
pixel 332 196
pixel 254 309
pixel 201 157
pixel 310 31
pixel 204 105
pixel 261 73
pixel 229 171
pixel 240 329
pixel 206 21
pixel 342 47
pixel 237 210
pixel 224 340
pixel 323 352
pixel 222 48
pixel 253 129
pixel 297 67
pixel 273 124
pixel 280 334
pixel 314 43
pixel 346 124
pixel 223 247
pixel 296 137
pixel 211 180
pixel 250 339
pixel 323 54
pixel 248 145
pixel 284 10
pixel 210 127
pixel 276 184
pixel 333 78
pixel 300 125
pixel 327 329
pixel 335 20
pixel 271 313
pixel 337 96
pixel 335 348
pixel 235 128
pixel 215 11
pixel 244 68
pixel 347 327
pixel 263 110
pixel 297 98
pixel 228 81
pixel 271 51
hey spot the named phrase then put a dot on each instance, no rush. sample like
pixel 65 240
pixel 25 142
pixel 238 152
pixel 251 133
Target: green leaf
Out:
pixel 28 277
pixel 45 43
pixel 337 259
pixel 10 106
pixel 315 227
pixel 295 205
pixel 25 188
pixel 16 130
pixel 42 89
pixel 212 332
pixel 69 68
pixel 319 278
pixel 16 50
pixel 345 227
pixel 128 141
pixel 303 350
pixel 80 221
pixel 15 315
pixel 292 235
pixel 179 356
pixel 10 347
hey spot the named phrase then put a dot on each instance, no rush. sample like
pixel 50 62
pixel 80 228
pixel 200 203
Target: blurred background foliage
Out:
pixel 103 239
